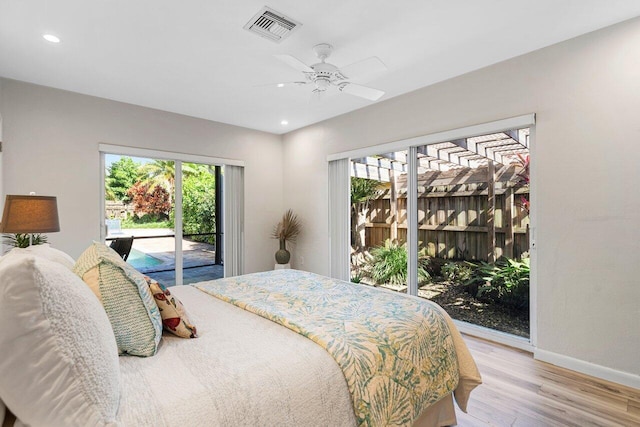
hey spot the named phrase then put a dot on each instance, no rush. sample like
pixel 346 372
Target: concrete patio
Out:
pixel 153 253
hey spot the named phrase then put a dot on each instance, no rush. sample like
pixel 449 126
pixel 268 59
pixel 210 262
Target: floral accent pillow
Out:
pixel 174 316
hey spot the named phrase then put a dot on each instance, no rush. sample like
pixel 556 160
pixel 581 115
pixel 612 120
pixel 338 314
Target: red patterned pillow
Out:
pixel 174 316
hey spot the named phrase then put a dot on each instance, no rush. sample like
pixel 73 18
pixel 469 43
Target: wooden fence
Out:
pixel 455 219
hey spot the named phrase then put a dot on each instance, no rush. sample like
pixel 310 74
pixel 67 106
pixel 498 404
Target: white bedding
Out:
pixel 270 377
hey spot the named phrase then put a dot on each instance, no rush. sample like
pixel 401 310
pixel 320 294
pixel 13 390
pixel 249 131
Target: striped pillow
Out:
pixel 125 296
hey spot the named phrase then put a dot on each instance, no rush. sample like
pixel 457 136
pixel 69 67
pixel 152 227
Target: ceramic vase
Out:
pixel 282 255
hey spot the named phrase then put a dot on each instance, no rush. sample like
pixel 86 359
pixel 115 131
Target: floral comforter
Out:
pixel 397 352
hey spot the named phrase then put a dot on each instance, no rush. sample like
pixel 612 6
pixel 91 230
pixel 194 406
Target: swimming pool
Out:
pixel 140 260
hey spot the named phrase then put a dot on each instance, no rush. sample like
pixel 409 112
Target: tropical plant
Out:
pixel 25 240
pixel 199 204
pixel 288 228
pixel 506 282
pixel 163 173
pixel 362 191
pixel 458 272
pixel 160 172
pixel 388 264
pixel 122 175
pixel 150 201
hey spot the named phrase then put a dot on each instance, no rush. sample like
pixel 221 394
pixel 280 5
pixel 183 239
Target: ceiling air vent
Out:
pixel 271 25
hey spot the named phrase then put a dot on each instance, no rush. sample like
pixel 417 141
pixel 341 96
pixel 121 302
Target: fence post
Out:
pixel 508 219
pixel 393 204
pixel 491 209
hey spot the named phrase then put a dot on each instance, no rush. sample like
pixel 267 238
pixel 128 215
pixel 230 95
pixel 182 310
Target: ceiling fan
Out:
pixel 324 75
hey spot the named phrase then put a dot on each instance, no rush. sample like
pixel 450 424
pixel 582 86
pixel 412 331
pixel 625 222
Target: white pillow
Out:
pixel 46 251
pixel 59 364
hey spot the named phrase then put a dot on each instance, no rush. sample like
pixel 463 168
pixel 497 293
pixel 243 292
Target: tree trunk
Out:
pixel 361 227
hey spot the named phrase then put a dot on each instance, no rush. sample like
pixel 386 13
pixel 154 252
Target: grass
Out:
pixel 128 223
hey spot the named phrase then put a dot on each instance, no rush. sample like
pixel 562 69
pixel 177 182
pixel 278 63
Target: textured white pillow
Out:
pixel 59 364
pixel 46 251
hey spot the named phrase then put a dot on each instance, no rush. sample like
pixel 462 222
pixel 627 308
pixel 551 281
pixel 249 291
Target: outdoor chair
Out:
pixel 114 226
pixel 122 245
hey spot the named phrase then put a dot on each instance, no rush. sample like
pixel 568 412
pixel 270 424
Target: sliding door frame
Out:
pixel 411 144
pixel 179 159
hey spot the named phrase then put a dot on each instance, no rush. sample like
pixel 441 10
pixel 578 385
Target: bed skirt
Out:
pixel 440 414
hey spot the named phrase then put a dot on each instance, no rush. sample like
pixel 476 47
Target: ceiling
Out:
pixel 195 58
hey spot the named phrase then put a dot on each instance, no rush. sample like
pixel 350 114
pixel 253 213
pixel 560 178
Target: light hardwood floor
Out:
pixel 520 391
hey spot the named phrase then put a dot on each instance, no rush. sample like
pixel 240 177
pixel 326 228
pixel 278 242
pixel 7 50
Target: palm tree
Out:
pixel 163 173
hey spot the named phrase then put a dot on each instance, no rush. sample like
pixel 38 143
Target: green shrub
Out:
pixel 388 264
pixel 505 283
pixel 121 176
pixel 199 204
pixel 459 272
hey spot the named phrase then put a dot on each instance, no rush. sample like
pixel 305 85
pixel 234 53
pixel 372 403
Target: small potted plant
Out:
pixel 25 240
pixel 286 230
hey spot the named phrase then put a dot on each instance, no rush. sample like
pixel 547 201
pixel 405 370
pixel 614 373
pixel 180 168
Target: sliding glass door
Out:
pixel 379 220
pixel 473 228
pixel 201 227
pixel 140 205
pixel 448 220
pixel 164 216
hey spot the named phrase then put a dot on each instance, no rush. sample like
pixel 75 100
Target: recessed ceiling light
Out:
pixel 284 122
pixel 280 85
pixel 51 38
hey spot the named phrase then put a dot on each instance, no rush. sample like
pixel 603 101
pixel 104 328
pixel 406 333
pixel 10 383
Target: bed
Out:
pixel 288 348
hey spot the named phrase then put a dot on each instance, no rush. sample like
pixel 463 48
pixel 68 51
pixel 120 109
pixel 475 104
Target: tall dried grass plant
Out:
pixel 287 229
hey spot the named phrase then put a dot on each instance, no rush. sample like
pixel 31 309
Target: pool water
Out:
pixel 139 259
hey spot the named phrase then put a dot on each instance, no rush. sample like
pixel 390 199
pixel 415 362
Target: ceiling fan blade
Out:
pixel 362 91
pixel 316 98
pixel 295 63
pixel 288 84
pixel 282 84
pixel 365 69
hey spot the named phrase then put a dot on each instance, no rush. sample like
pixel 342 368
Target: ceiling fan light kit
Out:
pixel 323 50
pixel 324 75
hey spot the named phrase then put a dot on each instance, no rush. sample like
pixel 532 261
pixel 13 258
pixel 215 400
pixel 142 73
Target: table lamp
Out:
pixel 30 215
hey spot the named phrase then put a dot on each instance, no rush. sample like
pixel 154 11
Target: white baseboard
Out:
pixel 598 371
pixel 587 368
pixel 493 335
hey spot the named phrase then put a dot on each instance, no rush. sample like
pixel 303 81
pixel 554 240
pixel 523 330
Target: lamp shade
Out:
pixel 30 214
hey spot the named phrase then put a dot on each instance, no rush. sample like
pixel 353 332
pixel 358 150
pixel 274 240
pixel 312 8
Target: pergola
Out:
pixel 458 160
pixel 498 148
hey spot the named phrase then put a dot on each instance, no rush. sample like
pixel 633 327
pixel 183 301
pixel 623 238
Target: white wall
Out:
pixel 586 95
pixel 1 193
pixel 51 142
